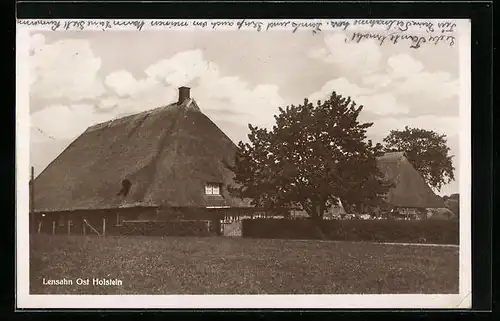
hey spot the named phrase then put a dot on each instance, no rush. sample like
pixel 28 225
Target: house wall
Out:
pixel 73 222
pixel 91 222
pixel 193 213
pixel 180 213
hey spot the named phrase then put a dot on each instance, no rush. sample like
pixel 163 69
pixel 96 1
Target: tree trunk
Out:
pixel 318 217
pixel 317 211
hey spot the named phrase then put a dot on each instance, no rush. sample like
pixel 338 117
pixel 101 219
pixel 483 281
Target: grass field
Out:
pixel 217 265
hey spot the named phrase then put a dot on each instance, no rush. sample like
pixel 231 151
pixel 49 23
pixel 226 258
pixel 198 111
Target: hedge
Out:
pixel 166 228
pixel 423 231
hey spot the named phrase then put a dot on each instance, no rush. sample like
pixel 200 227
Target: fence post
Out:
pixel 39 227
pixel 103 226
pixel 53 227
pixel 69 227
pixel 83 227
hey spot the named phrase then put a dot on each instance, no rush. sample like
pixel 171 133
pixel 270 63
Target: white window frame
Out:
pixel 212 189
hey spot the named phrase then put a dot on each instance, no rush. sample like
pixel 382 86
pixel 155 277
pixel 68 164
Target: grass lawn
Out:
pixel 218 265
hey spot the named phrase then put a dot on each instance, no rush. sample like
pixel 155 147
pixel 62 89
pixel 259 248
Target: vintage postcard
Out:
pixel 243 164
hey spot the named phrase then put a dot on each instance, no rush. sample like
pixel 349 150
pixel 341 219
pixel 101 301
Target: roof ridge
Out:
pixel 142 113
pixel 391 156
pixel 188 103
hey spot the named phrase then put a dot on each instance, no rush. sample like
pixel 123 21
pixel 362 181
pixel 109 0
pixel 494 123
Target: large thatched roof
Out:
pixel 410 188
pixel 168 154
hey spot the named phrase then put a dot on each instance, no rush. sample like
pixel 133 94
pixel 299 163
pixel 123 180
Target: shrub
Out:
pixel 436 232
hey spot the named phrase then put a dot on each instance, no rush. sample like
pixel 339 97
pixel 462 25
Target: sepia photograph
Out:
pixel 322 163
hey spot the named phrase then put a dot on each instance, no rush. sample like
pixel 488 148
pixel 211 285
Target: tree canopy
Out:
pixel 314 155
pixel 427 151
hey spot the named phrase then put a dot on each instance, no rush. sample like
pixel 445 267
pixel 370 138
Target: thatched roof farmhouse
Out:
pixel 410 189
pixel 169 156
pixel 168 163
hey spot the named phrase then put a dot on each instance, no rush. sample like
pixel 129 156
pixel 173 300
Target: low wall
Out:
pixel 424 231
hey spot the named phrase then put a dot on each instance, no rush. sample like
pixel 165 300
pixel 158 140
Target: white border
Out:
pixel 465 173
pixel 22 167
pixel 313 301
pixel 25 300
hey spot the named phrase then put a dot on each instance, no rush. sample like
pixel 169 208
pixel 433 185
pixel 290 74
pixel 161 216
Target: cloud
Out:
pixel 180 69
pixel 401 74
pixel 149 98
pixel 341 86
pixel 403 66
pixel 436 86
pixel 127 95
pixel 363 58
pixel 64 69
pixel 124 83
pixel 377 81
pixel 71 120
pixel 442 125
pixel 407 76
pixel 255 105
pixel 398 85
pixel 107 104
pixel 213 91
pixel 384 103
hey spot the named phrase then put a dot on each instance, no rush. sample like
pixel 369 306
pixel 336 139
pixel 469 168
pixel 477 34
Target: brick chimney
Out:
pixel 184 94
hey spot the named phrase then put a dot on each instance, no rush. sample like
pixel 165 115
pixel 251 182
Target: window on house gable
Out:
pixel 212 188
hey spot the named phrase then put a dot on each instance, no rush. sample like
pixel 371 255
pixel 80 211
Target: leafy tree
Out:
pixel 314 155
pixel 427 151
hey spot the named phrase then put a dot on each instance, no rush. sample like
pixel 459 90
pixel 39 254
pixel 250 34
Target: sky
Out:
pixel 78 79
